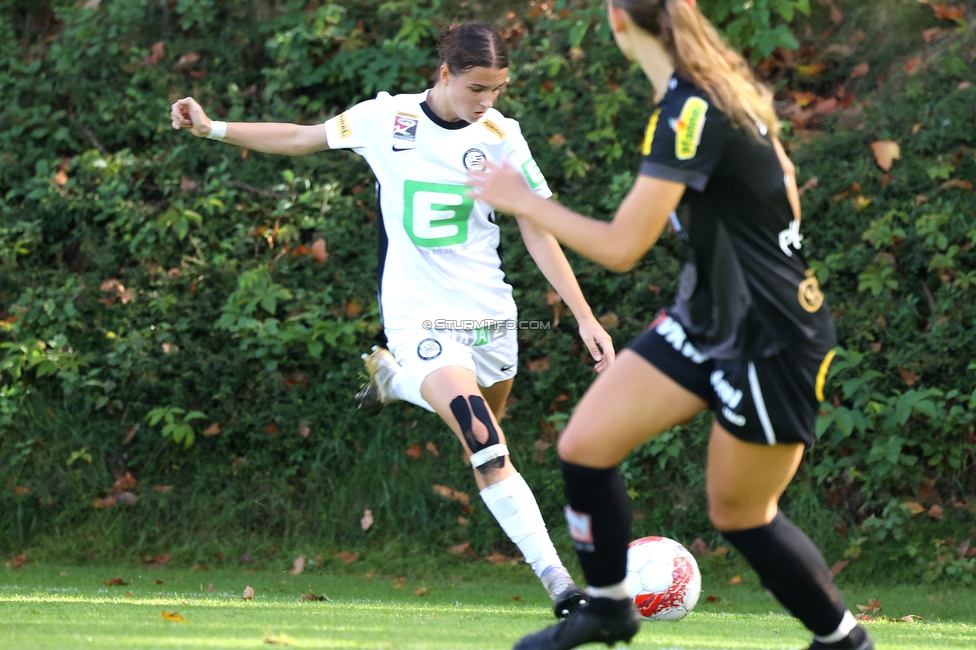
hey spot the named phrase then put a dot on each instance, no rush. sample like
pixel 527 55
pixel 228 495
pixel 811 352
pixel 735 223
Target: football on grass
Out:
pixel 663 578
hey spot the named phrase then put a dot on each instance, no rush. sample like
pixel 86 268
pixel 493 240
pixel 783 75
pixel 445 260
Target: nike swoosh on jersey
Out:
pixel 403 148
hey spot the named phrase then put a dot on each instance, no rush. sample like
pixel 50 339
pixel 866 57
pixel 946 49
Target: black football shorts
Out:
pixel 768 401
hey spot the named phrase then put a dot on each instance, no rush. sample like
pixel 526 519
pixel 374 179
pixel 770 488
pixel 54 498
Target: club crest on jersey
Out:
pixel 688 128
pixel 405 127
pixel 809 293
pixel 473 159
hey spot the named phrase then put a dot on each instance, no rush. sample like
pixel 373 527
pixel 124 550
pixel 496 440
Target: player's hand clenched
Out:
pixel 186 113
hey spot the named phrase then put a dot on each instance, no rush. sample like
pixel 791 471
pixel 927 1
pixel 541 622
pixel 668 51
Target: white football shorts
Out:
pixel 491 354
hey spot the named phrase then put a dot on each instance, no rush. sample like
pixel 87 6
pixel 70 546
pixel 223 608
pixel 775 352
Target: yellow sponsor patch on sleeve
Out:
pixel 649 133
pixel 688 128
pixel 494 128
pixel 344 129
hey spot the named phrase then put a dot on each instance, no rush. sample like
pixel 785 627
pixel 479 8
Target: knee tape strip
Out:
pixel 488 454
pixel 484 455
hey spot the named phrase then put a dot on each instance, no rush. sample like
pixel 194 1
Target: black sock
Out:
pixel 599 522
pixel 792 568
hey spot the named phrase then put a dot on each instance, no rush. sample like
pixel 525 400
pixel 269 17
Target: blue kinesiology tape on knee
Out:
pixel 463 409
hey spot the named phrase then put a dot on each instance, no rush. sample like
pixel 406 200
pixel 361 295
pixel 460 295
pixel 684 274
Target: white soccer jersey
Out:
pixel 438 248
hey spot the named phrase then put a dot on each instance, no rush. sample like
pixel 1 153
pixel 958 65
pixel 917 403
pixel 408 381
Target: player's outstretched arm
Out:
pixel 268 137
pixel 617 245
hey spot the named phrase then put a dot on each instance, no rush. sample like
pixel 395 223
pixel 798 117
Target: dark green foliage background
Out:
pixel 257 336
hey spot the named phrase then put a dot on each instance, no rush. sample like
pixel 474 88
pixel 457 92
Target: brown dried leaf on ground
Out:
pixel 117 581
pixel 346 557
pixel 157 562
pixel 838 567
pixel 700 547
pixel 319 252
pixel 432 448
pixel 735 580
pixel 453 495
pixel 312 596
pixel 248 593
pixel 873 606
pixel 886 152
pixel 911 618
pixel 123 483
pixel 497 558
pixel 538 365
pixel 463 549
pixel 278 639
pixel 173 617
pixel 414 452
pixel 809 185
pixel 958 184
pixel 860 70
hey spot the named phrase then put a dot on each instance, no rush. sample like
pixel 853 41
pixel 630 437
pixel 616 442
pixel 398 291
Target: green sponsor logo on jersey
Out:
pixel 436 214
pixel 533 174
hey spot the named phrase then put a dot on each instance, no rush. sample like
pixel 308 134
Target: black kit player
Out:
pixel 749 337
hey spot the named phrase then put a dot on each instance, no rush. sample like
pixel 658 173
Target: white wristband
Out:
pixel 218 130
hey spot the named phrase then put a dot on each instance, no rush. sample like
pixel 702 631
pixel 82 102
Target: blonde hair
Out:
pixel 703 57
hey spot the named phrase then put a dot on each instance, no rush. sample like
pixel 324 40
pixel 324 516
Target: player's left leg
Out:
pixel 745 482
pixel 559 584
pixel 503 490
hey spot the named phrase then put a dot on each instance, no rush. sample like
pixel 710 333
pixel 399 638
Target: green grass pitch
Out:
pixel 62 607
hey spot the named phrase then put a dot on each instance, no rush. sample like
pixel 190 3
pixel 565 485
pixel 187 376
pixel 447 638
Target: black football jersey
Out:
pixel 745 289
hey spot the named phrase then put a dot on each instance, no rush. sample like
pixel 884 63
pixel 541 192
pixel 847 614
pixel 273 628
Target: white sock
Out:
pixel 617 591
pixel 847 624
pixel 514 507
pixel 406 388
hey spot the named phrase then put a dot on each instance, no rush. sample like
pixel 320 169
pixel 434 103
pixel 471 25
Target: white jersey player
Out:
pixel 448 313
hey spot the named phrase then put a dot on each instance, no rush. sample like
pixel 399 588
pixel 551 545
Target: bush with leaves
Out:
pixel 193 313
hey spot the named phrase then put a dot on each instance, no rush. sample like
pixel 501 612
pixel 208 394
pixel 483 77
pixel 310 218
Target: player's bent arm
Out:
pixel 619 244
pixel 549 257
pixel 273 137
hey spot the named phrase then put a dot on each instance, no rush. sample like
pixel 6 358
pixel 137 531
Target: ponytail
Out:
pixel 703 57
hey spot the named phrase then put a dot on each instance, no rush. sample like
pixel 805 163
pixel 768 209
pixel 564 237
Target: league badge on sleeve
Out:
pixel 405 127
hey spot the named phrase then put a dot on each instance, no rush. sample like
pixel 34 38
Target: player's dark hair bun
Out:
pixel 472 45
